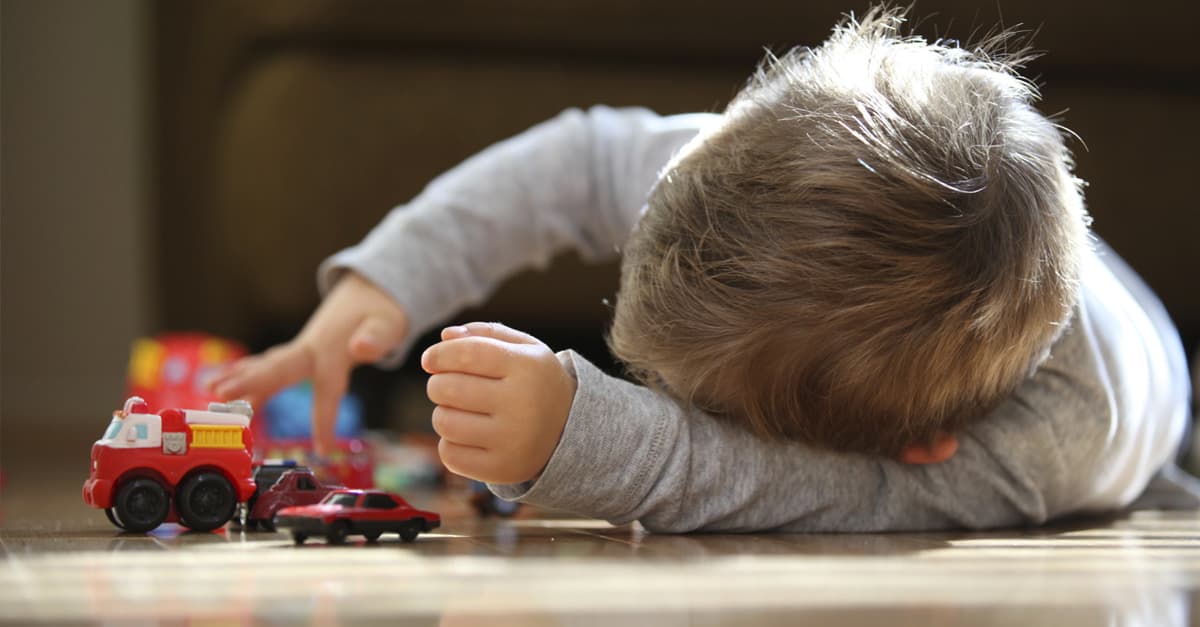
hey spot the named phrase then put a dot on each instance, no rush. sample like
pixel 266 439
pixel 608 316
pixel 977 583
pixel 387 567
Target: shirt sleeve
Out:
pixel 576 181
pixel 629 453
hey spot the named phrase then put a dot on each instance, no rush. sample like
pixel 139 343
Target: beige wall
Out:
pixel 73 192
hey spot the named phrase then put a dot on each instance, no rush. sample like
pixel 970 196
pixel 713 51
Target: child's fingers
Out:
pixel 454 332
pixel 500 332
pixel 257 377
pixel 464 391
pixel 480 356
pixel 464 427
pixel 225 374
pixel 471 462
pixel 328 387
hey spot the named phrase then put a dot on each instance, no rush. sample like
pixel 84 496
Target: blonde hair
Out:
pixel 876 244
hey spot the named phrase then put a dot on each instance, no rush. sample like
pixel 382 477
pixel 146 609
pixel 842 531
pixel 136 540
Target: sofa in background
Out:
pixel 287 128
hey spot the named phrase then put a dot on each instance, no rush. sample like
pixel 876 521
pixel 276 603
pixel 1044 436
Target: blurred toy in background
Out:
pixel 487 504
pixel 286 433
pixel 173 369
pixel 187 465
pixel 405 462
pixel 290 413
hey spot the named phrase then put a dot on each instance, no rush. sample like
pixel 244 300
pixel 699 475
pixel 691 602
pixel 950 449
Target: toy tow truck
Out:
pixel 297 485
pixel 179 465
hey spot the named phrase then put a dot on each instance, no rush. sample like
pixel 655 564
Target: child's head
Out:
pixel 876 244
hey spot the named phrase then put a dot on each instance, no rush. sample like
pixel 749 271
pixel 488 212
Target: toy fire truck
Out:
pixel 179 465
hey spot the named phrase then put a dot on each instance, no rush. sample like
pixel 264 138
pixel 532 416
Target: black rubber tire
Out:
pixel 141 505
pixel 337 532
pixel 372 536
pixel 299 538
pixel 112 518
pixel 205 501
pixel 412 530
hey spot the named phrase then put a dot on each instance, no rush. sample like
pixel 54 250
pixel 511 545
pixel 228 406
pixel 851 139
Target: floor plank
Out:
pixel 63 563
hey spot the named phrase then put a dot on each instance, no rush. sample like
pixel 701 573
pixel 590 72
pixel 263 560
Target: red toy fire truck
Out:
pixel 179 465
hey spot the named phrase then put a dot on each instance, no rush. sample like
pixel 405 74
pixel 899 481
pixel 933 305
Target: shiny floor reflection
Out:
pixel 63 563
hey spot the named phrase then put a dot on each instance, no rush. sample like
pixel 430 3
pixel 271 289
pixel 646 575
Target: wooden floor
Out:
pixel 64 563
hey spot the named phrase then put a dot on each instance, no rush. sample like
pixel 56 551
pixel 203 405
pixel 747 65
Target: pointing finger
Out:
pixel 328 388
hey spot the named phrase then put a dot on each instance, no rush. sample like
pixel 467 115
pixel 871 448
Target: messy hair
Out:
pixel 876 244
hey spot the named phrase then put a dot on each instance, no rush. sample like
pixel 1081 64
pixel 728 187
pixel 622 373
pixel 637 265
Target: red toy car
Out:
pixel 370 513
pixel 296 486
pixel 183 465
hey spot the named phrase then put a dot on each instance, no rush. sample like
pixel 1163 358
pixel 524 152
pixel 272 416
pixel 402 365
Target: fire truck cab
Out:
pixel 190 466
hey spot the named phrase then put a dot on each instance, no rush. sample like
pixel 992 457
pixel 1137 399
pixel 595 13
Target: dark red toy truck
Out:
pixel 190 466
pixel 296 486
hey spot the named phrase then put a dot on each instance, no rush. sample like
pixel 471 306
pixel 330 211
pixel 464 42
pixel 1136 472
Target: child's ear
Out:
pixel 942 448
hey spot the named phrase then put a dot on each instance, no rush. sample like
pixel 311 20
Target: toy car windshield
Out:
pixel 340 499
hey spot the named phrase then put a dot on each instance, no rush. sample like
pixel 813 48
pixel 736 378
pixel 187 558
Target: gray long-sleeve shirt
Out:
pixel 1084 433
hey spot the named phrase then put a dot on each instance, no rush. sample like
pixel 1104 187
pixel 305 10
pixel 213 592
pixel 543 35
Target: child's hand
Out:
pixel 356 323
pixel 502 401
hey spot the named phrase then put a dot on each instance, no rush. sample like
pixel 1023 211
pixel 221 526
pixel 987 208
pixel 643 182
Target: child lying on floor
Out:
pixel 863 298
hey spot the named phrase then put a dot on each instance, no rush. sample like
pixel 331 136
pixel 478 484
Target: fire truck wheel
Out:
pixel 141 505
pixel 112 518
pixel 206 501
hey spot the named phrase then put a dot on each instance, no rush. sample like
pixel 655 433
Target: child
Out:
pixel 864 298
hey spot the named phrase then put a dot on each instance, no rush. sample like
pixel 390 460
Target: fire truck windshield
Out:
pixel 113 429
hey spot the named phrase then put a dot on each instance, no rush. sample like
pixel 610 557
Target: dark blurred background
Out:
pixel 186 165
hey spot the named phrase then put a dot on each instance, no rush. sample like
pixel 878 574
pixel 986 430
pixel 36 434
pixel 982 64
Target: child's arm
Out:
pixel 578 181
pixel 1084 434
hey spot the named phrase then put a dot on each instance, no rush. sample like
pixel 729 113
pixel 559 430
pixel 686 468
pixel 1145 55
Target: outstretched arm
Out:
pixel 575 181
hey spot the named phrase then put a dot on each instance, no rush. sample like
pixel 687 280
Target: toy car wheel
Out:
pixel 141 505
pixel 414 527
pixel 206 501
pixel 337 532
pixel 266 524
pixel 112 518
pixel 299 537
pixel 373 536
